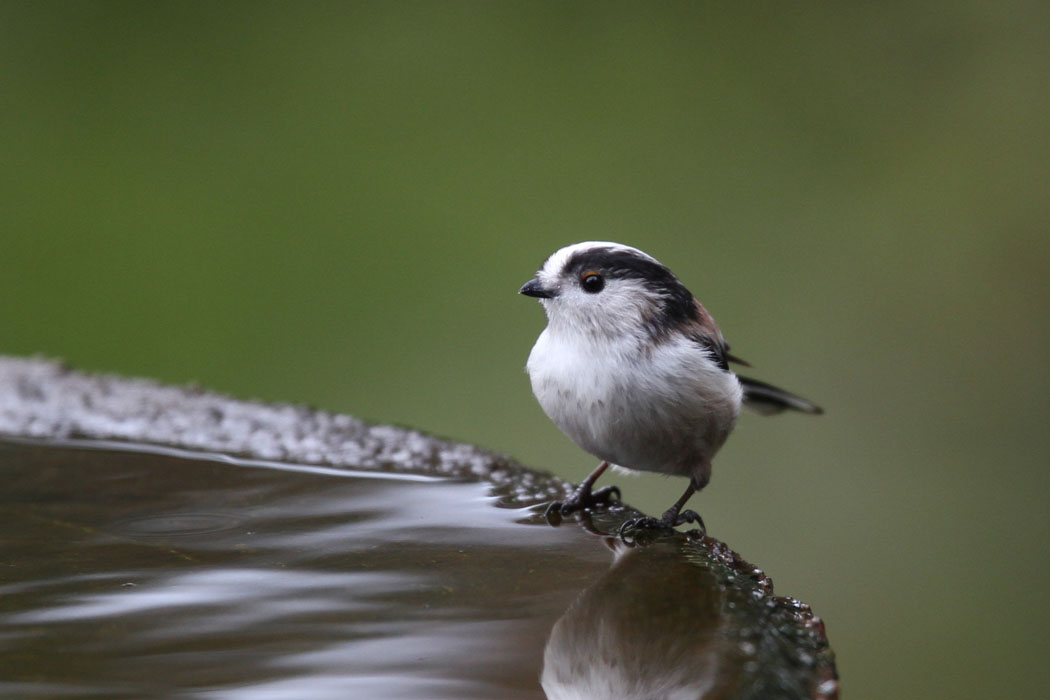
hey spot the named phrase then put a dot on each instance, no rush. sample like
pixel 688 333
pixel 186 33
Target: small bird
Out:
pixel 632 368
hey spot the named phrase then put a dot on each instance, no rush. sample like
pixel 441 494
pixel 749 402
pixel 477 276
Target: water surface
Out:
pixel 130 575
pixel 161 574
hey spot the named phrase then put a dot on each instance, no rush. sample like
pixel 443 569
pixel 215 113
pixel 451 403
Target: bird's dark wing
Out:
pixel 714 345
pixel 703 331
pixel 760 397
pixel 767 399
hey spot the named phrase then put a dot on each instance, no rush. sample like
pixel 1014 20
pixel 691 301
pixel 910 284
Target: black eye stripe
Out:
pixel 675 299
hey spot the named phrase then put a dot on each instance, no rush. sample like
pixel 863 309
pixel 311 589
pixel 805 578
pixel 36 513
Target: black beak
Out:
pixel 533 288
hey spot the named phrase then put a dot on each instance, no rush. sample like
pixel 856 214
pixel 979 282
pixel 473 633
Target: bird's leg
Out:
pixel 672 516
pixel 584 497
pixel 676 516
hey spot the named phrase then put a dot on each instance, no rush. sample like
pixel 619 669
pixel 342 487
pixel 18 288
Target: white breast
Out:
pixel 663 408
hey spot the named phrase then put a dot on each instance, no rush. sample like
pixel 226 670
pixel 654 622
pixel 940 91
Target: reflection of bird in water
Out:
pixel 667 624
pixel 649 628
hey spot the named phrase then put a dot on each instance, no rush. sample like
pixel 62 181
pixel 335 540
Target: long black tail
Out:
pixel 766 399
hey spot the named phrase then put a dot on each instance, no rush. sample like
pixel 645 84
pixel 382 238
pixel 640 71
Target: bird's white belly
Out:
pixel 667 410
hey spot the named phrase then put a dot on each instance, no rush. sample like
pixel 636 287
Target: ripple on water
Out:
pixel 181 524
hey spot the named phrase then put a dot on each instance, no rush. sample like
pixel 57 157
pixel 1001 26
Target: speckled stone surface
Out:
pixel 43 398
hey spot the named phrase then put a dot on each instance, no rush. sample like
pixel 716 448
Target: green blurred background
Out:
pixel 335 204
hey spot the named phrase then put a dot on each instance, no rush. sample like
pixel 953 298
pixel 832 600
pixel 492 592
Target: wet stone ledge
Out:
pixel 45 399
pixel 173 542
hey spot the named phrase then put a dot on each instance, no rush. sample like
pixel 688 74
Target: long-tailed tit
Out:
pixel 634 370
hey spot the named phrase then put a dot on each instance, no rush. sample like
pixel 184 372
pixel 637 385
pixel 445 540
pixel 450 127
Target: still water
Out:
pixel 158 574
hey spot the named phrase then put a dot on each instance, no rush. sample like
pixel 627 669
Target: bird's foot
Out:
pixel 582 499
pixel 671 518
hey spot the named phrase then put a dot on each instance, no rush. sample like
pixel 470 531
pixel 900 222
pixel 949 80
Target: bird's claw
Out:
pixel 582 500
pixel 669 521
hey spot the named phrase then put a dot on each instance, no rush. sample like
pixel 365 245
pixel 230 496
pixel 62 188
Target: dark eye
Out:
pixel 592 282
